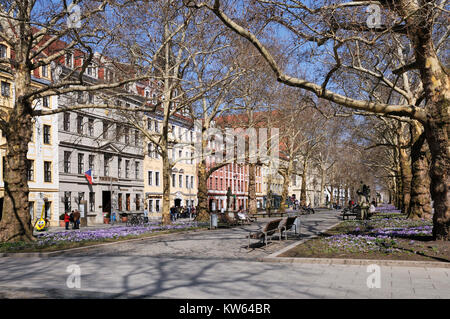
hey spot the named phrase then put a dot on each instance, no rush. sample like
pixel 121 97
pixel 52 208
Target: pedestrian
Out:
pixel 172 213
pixel 76 220
pixel 67 220
pixel 71 218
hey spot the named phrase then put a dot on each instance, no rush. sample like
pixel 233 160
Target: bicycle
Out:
pixel 135 220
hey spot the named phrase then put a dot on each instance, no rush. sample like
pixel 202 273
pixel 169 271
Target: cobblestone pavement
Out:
pixel 209 265
pixel 228 243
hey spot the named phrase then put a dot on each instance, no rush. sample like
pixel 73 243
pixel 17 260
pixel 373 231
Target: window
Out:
pixel 180 154
pixel 47 172
pixel 91 162
pixel 30 170
pixel 136 138
pixel 156 127
pixel 120 201
pixel 150 178
pixel 80 198
pixel 157 205
pixel 66 122
pixel 3 51
pixel 138 202
pixel 44 71
pixel 173 180
pixel 105 129
pixel 150 150
pixel 149 124
pixel 80 124
pixel 180 181
pixel 91 201
pixel 127 135
pixel 91 71
pixel 192 157
pixel 67 162
pixel 69 61
pixel 192 181
pixel 91 98
pixel 80 163
pixel 136 170
pixel 156 178
pixel 150 206
pixel 80 98
pixel 127 168
pixel 119 167
pixel 45 101
pixel 91 127
pixel 127 202
pixel 118 132
pixel 6 89
pixel 106 164
pixel 187 181
pixel 67 201
pixel 46 134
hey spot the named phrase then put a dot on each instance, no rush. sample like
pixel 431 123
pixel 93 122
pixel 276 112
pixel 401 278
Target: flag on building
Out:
pixel 88 175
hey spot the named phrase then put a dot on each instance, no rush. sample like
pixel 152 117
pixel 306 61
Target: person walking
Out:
pixel 67 220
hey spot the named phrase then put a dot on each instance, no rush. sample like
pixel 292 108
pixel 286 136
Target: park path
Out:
pixel 210 265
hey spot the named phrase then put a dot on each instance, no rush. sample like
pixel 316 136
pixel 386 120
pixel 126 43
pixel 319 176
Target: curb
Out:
pixel 60 252
pixel 273 258
pixel 359 262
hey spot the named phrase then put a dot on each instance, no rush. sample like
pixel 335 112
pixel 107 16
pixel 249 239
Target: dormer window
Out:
pixel 91 71
pixel 69 60
pixel 44 71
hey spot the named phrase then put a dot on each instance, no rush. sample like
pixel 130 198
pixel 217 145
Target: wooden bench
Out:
pixel 287 224
pixel 268 231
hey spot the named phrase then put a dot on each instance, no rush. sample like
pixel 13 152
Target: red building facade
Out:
pixel 235 177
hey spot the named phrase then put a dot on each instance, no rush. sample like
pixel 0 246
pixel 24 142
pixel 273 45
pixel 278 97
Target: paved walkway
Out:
pixel 210 264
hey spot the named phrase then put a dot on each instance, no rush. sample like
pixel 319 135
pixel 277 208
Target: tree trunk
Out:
pixel 436 84
pixel 322 189
pixel 166 189
pixel 16 220
pixel 202 192
pixel 420 205
pixel 303 188
pixel 405 170
pixel 252 207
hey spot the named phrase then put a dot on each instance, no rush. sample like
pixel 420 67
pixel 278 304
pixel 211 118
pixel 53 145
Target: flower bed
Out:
pixel 82 237
pixel 388 235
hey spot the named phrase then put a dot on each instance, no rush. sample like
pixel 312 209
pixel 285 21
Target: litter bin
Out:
pixel 213 221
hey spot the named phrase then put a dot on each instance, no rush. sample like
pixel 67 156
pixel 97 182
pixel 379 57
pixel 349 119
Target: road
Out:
pixel 209 264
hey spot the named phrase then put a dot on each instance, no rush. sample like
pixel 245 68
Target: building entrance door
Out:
pixel 106 201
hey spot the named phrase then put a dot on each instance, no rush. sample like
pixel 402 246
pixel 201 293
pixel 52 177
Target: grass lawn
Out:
pixel 79 238
pixel 388 236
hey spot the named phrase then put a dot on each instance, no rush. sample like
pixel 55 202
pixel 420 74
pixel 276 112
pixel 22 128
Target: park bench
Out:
pixel 347 212
pixel 287 224
pixel 267 232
